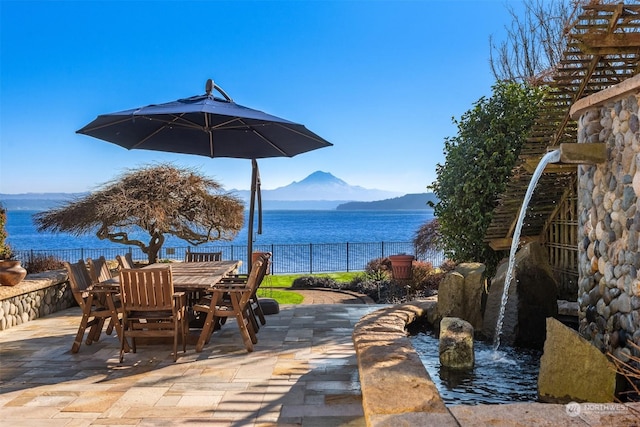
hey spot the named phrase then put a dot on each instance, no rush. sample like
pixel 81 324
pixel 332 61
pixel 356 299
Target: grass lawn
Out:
pixel 286 280
pixel 283 297
pixel 272 284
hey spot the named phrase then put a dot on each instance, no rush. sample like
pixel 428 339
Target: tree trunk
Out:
pixel 155 244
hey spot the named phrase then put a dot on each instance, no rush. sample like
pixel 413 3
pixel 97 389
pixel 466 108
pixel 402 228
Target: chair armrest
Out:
pixel 180 298
pixel 102 290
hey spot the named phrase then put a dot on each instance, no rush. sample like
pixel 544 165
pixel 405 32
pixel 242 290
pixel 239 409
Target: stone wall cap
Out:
pixel 620 90
pixel 33 282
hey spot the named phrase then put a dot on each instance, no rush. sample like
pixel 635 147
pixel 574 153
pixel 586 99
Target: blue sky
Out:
pixel 381 80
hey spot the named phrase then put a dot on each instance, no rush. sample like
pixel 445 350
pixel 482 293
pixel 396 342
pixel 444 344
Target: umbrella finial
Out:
pixel 209 87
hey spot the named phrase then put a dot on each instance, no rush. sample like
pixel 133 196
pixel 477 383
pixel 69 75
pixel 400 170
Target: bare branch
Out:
pixel 535 41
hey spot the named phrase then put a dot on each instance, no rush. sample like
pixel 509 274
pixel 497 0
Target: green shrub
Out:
pixel 314 282
pixel 40 263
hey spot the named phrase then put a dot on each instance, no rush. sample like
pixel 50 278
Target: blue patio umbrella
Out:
pixel 212 126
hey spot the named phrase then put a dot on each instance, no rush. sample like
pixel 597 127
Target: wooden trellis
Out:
pixel 603 50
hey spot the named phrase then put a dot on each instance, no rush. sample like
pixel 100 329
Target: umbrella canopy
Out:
pixel 211 126
pixel 205 125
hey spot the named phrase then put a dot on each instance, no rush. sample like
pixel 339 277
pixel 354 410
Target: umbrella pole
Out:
pixel 252 208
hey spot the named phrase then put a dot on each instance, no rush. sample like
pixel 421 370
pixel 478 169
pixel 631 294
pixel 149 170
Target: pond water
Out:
pixel 504 376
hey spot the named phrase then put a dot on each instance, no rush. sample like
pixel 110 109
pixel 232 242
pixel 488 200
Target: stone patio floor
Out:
pixel 303 372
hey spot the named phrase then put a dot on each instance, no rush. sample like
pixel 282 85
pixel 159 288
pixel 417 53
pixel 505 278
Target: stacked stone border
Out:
pixel 37 296
pixel 396 387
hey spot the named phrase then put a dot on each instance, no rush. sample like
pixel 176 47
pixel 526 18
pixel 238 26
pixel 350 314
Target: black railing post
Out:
pixel 347 257
pixel 310 258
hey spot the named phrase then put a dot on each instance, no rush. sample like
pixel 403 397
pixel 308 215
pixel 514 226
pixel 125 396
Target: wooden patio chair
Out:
pixel 151 307
pixel 230 301
pixel 94 304
pixel 202 256
pixel 126 261
pixel 99 272
pixel 255 308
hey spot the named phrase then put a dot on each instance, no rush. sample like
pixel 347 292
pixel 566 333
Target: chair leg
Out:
pixel 207 330
pixel 185 333
pixel 123 339
pixel 252 324
pixel 110 327
pixel 244 331
pixel 251 315
pixel 80 335
pixel 96 330
pixel 258 310
pixel 176 325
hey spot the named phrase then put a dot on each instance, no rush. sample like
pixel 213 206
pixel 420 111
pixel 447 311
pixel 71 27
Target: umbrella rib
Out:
pixel 268 141
pixel 157 131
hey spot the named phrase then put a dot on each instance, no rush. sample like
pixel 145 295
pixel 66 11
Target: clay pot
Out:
pixel 11 272
pixel 401 266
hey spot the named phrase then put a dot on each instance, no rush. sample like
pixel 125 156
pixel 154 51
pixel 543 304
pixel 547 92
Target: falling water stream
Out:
pixel 550 157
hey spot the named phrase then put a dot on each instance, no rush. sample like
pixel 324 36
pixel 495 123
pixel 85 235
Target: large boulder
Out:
pixel 460 293
pixel 456 344
pixel 532 297
pixel 572 369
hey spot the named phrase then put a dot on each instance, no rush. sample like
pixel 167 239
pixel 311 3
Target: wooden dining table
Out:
pixel 192 276
pixel 199 276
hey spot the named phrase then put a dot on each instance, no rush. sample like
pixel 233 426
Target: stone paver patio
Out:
pixel 302 372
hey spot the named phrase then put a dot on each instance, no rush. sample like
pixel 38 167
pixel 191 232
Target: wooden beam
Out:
pixel 599 40
pixel 571 154
pixel 583 154
pixel 504 244
pixel 531 163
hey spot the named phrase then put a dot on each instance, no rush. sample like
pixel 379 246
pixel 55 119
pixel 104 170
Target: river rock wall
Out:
pixel 36 296
pixel 609 222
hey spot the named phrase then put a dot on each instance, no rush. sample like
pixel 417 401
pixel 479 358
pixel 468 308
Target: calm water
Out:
pixel 505 376
pixel 279 227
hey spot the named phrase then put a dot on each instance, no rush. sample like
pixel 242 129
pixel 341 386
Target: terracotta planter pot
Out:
pixel 401 266
pixel 11 272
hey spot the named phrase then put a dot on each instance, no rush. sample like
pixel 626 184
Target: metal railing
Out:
pixel 286 258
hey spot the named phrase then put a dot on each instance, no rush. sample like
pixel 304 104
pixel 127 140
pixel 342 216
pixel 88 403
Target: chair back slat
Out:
pixel 99 270
pixel 202 256
pixel 123 263
pixel 147 289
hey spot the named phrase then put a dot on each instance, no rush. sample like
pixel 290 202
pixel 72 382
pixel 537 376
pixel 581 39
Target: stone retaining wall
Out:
pixel 609 219
pixel 396 387
pixel 36 296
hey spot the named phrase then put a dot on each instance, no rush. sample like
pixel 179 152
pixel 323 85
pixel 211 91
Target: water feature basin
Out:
pixel 507 375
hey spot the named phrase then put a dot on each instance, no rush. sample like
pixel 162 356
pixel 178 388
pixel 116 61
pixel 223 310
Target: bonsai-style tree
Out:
pixel 159 200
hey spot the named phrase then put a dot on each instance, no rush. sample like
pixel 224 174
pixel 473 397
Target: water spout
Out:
pixel 550 157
